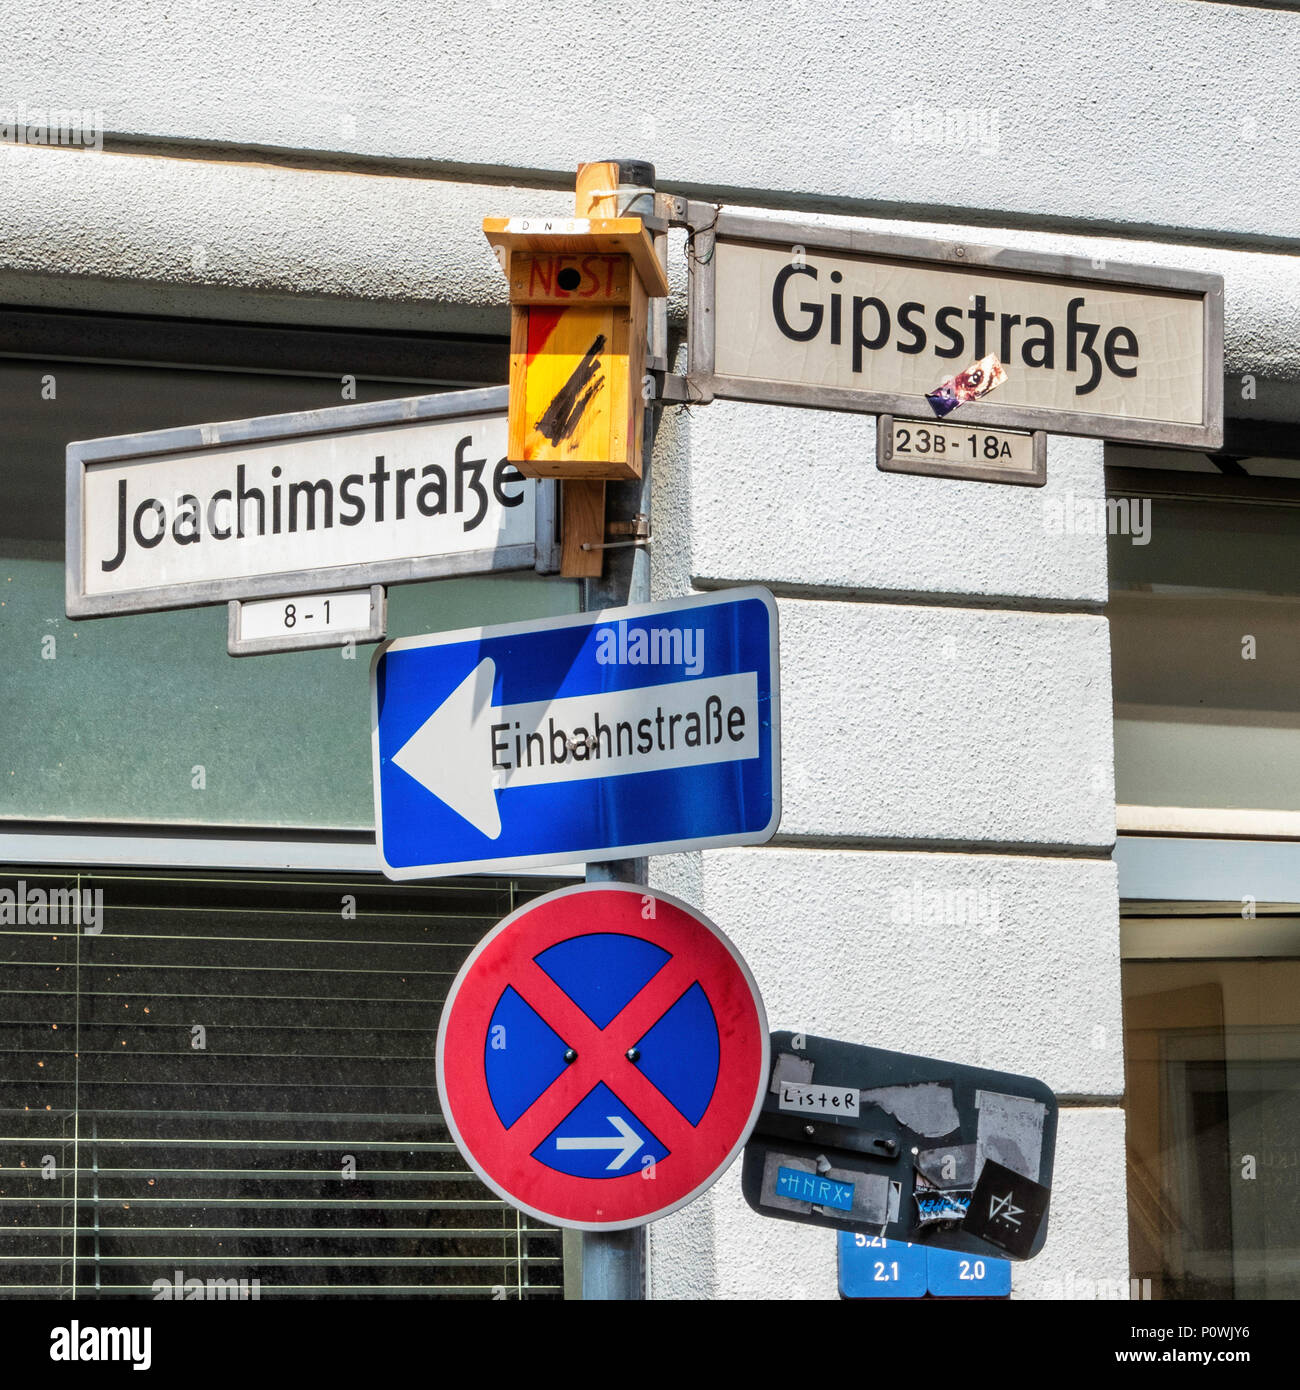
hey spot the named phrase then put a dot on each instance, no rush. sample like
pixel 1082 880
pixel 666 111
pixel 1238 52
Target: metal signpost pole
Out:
pixel 613 1262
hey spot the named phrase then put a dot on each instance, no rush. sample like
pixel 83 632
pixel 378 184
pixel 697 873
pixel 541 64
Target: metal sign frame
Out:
pixel 934 467
pixel 239 645
pixel 542 554
pixel 708 224
pixel 875 1139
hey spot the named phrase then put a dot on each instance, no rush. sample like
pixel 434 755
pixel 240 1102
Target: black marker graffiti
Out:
pixel 565 411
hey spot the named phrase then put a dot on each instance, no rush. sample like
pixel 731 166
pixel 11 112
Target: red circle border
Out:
pixel 633 1198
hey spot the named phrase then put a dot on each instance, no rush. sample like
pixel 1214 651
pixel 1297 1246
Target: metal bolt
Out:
pixel 808 1129
pixel 633 1054
pixel 570 1056
pixel 959 251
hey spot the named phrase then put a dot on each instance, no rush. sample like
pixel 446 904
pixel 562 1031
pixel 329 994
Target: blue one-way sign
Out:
pixel 605 735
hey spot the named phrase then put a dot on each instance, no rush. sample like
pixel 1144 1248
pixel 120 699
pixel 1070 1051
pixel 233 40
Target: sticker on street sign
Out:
pixel 1006 1208
pixel 388 492
pixel 937 1153
pixel 609 735
pixel 810 1187
pixel 956 451
pixel 818 1099
pixel 303 622
pixel 602 1055
pixel 795 313
pixel 873 1267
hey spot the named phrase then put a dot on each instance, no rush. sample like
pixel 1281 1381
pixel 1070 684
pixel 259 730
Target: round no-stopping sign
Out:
pixel 602 1056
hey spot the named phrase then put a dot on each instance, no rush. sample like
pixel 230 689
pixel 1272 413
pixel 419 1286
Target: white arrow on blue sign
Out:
pixel 609 735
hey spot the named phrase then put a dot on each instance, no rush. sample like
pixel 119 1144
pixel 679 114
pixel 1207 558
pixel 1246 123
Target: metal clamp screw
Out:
pixel 638 528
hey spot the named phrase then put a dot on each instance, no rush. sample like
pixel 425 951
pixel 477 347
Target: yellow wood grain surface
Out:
pixel 579 294
pixel 572 392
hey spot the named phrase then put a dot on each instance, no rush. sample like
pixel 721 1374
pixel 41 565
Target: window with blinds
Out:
pixel 228 1078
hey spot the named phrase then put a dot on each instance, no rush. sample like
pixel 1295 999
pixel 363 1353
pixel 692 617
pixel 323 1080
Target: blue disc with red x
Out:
pixel 602 1056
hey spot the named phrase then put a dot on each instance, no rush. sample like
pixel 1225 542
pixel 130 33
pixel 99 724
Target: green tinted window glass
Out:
pixel 145 718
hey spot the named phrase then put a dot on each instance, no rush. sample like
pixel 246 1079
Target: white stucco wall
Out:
pixel 1101 110
pixel 1025 978
pixel 980 719
pixel 826 519
pixel 946 691
pixel 392 248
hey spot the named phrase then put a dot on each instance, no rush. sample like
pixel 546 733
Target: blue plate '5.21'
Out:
pixel 606 735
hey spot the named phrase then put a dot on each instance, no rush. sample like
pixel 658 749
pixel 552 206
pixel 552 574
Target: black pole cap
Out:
pixel 639 173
